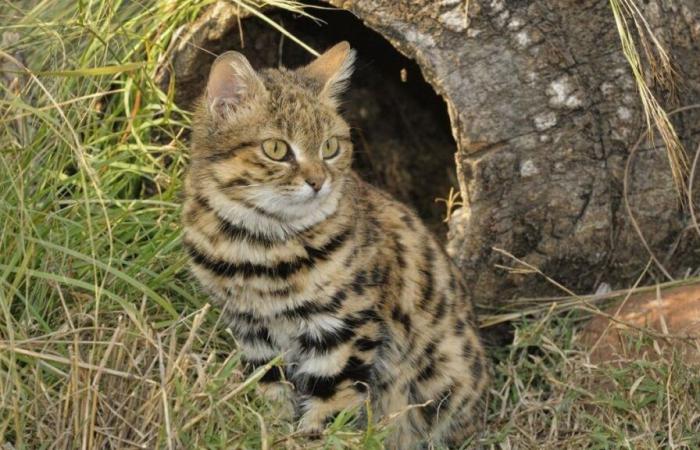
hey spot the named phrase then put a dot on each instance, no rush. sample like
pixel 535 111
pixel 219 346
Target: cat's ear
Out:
pixel 232 84
pixel 332 69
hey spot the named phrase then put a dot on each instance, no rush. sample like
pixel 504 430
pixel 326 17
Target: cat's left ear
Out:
pixel 233 84
pixel 332 69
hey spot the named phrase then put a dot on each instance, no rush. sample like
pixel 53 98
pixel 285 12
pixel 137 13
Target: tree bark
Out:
pixel 545 110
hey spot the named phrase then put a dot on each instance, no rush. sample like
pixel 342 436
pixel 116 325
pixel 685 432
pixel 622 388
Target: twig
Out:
pixel 534 269
pixel 164 395
pixel 81 364
pixel 264 445
pixel 628 164
pixel 591 307
pixel 619 308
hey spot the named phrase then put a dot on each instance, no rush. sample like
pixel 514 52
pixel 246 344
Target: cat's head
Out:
pixel 274 140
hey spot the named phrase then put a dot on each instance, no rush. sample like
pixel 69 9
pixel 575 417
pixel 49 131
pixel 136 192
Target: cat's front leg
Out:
pixel 259 349
pixel 328 383
pixel 274 387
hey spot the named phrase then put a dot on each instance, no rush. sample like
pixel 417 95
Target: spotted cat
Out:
pixel 307 260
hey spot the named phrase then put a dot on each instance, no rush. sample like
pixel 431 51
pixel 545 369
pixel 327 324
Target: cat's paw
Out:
pixel 311 428
pixel 281 395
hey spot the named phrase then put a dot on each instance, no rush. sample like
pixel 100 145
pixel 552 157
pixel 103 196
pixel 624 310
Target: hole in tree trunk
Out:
pixel 401 129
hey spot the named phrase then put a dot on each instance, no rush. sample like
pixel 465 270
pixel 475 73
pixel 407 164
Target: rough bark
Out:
pixel 544 110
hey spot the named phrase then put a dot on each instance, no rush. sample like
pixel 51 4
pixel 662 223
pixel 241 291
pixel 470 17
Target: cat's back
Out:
pixel 409 247
pixel 433 350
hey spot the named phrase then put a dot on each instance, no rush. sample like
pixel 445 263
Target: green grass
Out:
pixel 107 342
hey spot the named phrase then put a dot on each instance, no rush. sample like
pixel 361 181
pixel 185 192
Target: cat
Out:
pixel 309 261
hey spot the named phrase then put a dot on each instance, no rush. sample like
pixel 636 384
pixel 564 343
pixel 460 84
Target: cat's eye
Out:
pixel 330 148
pixel 275 149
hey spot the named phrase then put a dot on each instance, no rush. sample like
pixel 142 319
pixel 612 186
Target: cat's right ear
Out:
pixel 332 69
pixel 232 84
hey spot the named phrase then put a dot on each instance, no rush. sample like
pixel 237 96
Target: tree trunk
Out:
pixel 544 111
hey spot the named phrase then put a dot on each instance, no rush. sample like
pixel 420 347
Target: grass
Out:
pixel 658 63
pixel 106 341
pixel 548 395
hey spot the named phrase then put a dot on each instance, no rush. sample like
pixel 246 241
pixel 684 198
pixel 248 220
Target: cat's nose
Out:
pixel 316 181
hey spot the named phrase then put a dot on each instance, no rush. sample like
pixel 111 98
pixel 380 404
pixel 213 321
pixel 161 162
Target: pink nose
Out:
pixel 316 182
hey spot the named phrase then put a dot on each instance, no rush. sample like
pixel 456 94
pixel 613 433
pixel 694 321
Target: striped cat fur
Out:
pixel 307 260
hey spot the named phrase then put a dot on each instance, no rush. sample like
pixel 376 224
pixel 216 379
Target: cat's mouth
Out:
pixel 313 199
pixel 306 194
pixel 296 202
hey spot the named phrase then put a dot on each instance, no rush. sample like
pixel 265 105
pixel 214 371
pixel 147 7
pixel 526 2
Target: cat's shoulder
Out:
pixel 384 207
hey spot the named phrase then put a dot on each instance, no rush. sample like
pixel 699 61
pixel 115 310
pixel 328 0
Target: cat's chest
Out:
pixel 269 281
pixel 290 335
pixel 252 275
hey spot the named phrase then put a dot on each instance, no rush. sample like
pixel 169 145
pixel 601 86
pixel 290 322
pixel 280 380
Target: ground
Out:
pixel 107 342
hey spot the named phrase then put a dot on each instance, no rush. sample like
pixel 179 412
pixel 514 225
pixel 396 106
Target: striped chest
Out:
pixel 251 273
pixel 298 338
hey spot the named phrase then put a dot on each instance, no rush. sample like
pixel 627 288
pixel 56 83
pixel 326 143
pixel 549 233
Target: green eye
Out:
pixel 275 149
pixel 330 148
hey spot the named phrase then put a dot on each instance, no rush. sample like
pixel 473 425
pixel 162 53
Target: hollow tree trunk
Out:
pixel 545 110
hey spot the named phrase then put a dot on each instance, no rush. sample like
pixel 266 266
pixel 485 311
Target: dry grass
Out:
pixel 106 342
pixel 659 68
pixel 549 395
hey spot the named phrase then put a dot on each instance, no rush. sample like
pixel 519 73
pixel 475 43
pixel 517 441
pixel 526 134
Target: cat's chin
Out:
pixel 301 207
pixel 301 204
pixel 270 213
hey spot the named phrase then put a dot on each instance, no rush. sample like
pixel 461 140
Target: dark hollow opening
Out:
pixel 401 130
